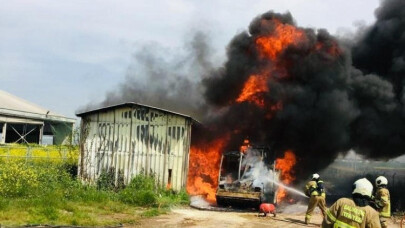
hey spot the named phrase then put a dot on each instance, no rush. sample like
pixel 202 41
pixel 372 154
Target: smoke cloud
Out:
pixel 380 52
pixel 257 173
pixel 329 103
pixel 166 78
pixel 319 98
pixel 313 86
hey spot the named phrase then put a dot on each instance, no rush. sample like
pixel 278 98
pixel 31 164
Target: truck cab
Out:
pixel 246 178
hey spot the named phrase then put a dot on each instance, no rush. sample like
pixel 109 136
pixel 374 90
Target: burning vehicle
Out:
pixel 247 178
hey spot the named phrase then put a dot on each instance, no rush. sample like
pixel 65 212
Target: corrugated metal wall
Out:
pixel 135 140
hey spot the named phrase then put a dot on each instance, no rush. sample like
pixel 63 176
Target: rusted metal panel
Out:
pixel 134 140
pixel 247 195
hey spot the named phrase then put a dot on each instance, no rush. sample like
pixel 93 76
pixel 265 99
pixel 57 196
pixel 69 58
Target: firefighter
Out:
pixel 316 193
pixel 355 212
pixel 382 200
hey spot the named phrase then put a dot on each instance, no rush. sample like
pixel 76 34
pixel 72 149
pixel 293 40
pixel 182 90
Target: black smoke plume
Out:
pixel 329 103
pixel 380 52
pixel 166 78
pixel 330 97
pixel 318 105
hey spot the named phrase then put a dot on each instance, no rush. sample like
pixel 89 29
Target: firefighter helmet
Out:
pixel 363 187
pixel 381 180
pixel 315 176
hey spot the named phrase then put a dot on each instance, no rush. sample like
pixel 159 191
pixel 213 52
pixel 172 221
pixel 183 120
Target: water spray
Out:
pixel 290 189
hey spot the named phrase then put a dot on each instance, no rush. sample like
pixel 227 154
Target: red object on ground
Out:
pixel 267 208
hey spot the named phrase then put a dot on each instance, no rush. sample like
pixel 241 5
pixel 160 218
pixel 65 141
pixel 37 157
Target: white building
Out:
pixel 24 122
pixel 130 139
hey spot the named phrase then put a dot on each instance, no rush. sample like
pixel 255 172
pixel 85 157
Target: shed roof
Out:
pixel 128 104
pixel 13 106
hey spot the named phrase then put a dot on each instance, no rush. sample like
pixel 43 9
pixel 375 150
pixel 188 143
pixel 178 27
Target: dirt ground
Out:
pixel 190 217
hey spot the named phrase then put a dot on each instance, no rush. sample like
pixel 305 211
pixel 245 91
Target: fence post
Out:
pixel 28 155
pixel 64 153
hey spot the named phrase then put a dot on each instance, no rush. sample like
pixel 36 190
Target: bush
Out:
pixel 3 204
pixel 138 198
pixel 169 198
pixel 47 191
pixel 16 179
pixel 107 181
pixel 140 192
pixel 71 168
pixel 142 182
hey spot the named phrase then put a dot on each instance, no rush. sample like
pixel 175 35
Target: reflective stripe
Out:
pixel 385 214
pixel 330 216
pixel 340 224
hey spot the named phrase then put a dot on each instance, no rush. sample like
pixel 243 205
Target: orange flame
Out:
pixel 252 90
pixel 285 165
pixel 204 169
pixel 269 46
pixel 330 48
pixel 244 146
pixel 283 36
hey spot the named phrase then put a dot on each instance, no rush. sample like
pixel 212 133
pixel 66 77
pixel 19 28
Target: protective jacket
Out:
pixel 310 188
pixel 316 193
pixel 320 188
pixel 314 188
pixel 345 214
pixel 382 199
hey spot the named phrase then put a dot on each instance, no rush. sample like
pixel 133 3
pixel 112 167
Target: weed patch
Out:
pixel 46 192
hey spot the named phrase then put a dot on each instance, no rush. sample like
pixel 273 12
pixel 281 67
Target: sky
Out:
pixel 63 55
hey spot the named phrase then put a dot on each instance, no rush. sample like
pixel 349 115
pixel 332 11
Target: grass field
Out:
pixel 43 189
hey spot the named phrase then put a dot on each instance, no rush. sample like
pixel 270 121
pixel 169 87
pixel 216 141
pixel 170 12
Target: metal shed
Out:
pixel 132 138
pixel 25 122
